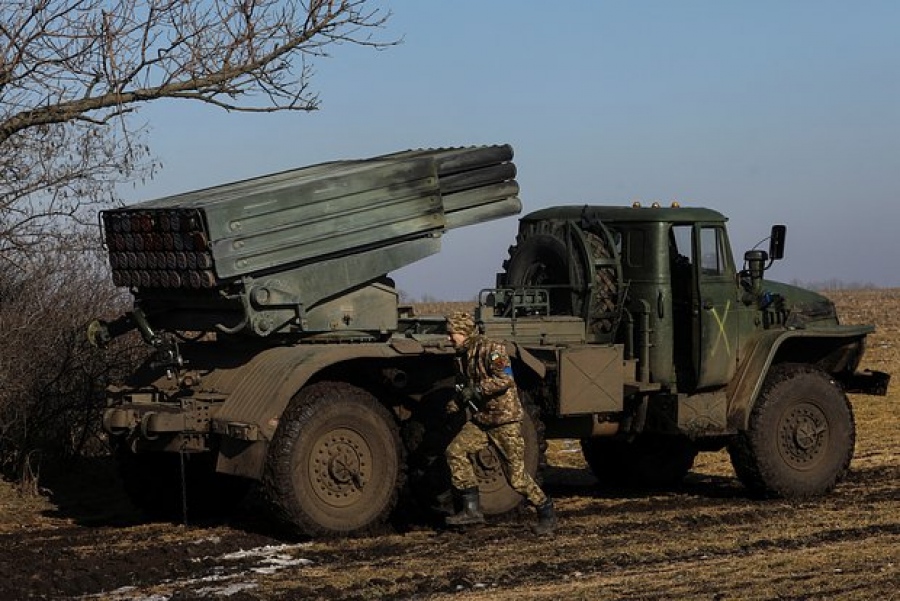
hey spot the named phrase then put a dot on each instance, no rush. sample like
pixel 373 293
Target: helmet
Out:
pixel 460 323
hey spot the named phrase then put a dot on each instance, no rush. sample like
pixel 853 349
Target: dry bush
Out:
pixel 49 401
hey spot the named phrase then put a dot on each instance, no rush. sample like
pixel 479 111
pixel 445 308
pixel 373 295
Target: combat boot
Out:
pixel 470 513
pixel 546 518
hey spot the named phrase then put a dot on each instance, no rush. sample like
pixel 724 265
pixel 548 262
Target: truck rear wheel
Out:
pixel 648 462
pixel 335 466
pixel 800 438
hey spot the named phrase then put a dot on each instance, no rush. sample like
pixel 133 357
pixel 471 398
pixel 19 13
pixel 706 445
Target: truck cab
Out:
pixel 680 349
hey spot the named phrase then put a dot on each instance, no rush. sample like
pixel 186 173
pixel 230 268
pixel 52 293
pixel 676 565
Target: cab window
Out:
pixel 712 251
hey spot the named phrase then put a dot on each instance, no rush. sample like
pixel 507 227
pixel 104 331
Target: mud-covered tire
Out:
pixel 533 410
pixel 335 465
pixel 800 437
pixel 153 482
pixel 647 462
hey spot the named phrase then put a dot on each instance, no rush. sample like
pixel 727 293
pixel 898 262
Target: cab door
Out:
pixel 717 307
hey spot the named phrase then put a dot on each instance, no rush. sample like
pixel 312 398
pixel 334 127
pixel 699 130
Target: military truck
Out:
pixel 656 347
pixel 283 358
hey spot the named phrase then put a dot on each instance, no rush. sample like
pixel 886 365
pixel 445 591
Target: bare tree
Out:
pixel 73 72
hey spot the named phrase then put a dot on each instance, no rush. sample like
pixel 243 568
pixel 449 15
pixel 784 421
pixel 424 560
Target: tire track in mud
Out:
pixel 649 535
pixel 705 577
pixel 659 545
pixel 568 558
pixel 75 561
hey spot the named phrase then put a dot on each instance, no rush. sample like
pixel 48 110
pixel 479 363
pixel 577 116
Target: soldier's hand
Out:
pixel 452 406
pixel 476 396
pixel 468 394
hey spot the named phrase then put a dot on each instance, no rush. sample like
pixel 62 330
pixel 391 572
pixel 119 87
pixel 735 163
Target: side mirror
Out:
pixel 776 242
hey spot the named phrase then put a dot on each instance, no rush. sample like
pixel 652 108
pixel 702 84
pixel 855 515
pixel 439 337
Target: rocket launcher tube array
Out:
pixel 212 237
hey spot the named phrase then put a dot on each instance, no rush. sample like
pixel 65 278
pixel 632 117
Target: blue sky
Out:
pixel 769 111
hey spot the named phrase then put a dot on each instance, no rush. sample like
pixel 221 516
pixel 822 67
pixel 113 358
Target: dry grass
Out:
pixel 705 541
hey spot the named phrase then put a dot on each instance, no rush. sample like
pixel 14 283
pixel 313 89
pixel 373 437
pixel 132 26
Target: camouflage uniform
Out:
pixel 496 418
pixel 511 446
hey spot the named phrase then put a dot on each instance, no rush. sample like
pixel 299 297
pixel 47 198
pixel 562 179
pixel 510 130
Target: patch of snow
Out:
pixel 280 562
pixel 267 551
pixel 225 591
pixel 221 582
pixel 214 539
pixel 126 593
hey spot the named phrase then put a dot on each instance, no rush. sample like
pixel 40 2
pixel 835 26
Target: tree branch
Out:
pixel 69 69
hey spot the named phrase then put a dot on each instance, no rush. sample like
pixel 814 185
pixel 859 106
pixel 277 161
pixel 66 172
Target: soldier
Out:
pixel 488 389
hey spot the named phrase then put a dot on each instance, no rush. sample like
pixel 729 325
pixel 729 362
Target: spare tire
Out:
pixel 543 257
pixel 579 268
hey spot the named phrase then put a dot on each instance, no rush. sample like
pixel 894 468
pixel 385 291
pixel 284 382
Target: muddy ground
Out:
pixel 707 540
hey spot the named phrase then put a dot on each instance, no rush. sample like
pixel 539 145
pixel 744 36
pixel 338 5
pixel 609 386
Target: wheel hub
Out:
pixel 339 467
pixel 487 459
pixel 803 436
pixel 489 470
pixel 343 466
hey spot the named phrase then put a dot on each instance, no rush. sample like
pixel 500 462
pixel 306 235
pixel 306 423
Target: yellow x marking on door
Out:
pixel 721 321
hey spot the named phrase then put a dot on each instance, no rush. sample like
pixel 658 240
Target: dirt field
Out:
pixel 704 541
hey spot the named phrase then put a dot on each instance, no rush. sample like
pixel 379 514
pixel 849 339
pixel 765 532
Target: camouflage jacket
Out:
pixel 485 365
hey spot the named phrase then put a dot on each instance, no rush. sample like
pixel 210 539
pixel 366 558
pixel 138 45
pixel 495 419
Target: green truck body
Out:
pixel 631 329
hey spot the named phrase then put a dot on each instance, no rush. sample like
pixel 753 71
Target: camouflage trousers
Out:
pixel 510 447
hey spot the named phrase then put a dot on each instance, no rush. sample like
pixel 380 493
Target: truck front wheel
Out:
pixel 799 441
pixel 335 465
